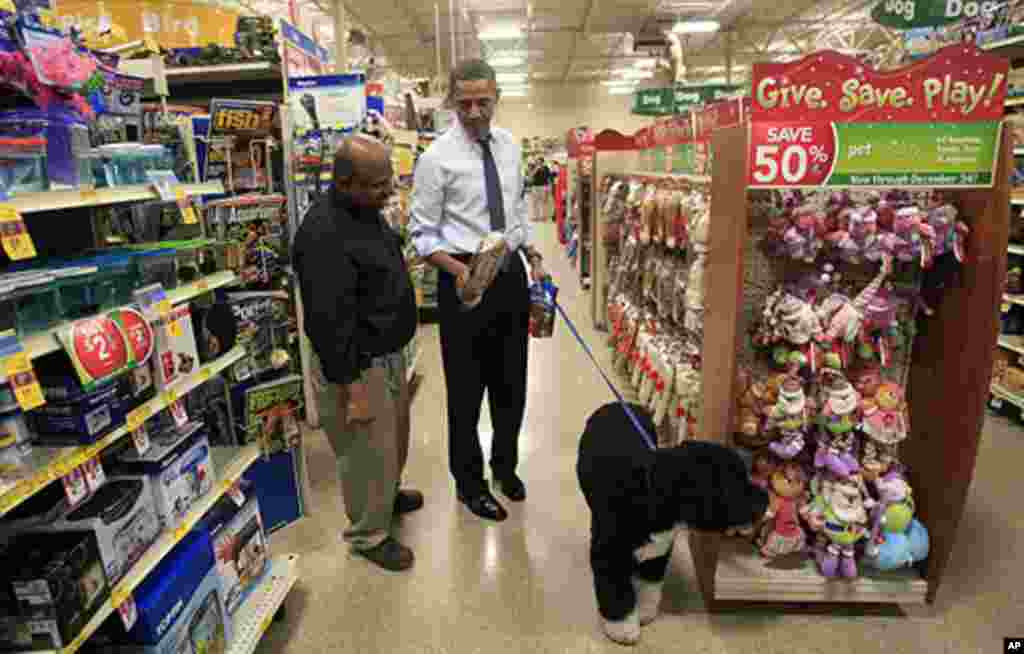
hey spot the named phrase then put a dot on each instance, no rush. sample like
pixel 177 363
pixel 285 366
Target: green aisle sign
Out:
pixel 653 102
pixel 687 97
pixel 911 14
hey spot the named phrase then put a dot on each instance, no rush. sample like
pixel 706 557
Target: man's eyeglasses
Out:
pixel 467 104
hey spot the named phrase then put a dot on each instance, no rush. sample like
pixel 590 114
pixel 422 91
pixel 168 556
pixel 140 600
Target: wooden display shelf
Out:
pixel 947 394
pixel 744 575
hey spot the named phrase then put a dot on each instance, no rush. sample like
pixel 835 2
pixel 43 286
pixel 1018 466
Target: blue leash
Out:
pixel 648 440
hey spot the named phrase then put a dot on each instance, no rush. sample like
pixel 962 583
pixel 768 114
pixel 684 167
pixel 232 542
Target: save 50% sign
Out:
pixel 791 155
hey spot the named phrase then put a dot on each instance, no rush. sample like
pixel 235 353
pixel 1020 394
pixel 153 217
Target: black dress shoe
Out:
pixel 512 486
pixel 407 501
pixel 390 555
pixel 484 505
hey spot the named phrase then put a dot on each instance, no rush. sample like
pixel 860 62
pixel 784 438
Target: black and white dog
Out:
pixel 640 498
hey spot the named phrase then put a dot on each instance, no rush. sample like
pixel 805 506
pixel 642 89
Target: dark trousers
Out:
pixel 485 348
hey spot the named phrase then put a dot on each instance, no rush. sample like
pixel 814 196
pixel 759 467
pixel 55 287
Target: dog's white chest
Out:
pixel 660 544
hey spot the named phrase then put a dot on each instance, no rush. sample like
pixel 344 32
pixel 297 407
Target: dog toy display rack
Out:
pixel 834 347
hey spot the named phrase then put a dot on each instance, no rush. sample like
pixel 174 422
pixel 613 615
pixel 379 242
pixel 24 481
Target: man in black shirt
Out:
pixel 360 311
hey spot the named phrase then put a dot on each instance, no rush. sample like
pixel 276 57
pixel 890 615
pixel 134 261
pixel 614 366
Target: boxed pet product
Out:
pixel 121 513
pixel 239 545
pixel 180 605
pixel 53 585
pixel 179 466
pixel 176 354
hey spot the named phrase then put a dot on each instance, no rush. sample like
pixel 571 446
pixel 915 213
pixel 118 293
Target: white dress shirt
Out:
pixel 449 198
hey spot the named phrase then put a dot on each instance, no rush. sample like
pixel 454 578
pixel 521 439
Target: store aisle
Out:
pixel 525 586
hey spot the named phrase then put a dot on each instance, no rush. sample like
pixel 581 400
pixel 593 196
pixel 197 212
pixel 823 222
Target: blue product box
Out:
pixel 181 604
pixel 239 545
pixel 81 420
pixel 275 480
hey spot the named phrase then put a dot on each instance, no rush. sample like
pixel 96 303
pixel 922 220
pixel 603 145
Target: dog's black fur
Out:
pixel 634 492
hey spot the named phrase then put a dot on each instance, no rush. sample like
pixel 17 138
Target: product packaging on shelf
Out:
pixel 176 353
pixel 239 545
pixel 78 417
pixel 54 584
pixel 178 465
pixel 180 606
pixel 121 513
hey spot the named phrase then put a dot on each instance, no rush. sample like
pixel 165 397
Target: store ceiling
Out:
pixel 584 40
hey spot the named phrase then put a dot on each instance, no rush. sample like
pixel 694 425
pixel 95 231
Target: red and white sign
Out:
pixel 99 347
pixel 138 332
pixel 791 153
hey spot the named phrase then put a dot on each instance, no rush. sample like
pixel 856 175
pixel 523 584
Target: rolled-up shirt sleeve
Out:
pixel 329 295
pixel 427 207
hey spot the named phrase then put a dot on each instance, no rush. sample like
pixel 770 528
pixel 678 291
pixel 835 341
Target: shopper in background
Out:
pixel 360 312
pixel 539 193
pixel 468 184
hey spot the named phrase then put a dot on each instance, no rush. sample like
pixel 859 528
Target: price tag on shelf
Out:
pixel 170 396
pixel 22 378
pixel 203 285
pixel 179 413
pixel 95 476
pixel 174 329
pixel 75 487
pixel 128 611
pixel 17 242
pixel 204 375
pixel 136 419
pixel 140 437
pixel 182 531
pixel 236 494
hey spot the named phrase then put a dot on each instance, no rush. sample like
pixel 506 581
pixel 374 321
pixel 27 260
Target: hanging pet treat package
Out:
pixel 543 296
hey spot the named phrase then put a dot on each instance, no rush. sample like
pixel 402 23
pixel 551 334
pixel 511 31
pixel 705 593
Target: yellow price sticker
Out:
pixel 137 417
pixel 265 624
pixel 181 532
pixel 27 391
pixel 170 397
pixel 204 374
pixel 119 596
pixel 163 307
pixel 203 285
pixel 174 329
pixel 16 240
pixel 188 215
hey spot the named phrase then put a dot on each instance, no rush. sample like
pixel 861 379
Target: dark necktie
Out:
pixel 495 203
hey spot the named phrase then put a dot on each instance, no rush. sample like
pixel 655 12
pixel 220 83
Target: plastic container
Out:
pixel 67 141
pixel 37 307
pixel 155 266
pixel 23 165
pixel 15 432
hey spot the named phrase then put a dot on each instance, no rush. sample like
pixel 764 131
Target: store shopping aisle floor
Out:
pixel 524 586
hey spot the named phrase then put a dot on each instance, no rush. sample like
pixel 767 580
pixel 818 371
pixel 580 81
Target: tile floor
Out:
pixel 525 585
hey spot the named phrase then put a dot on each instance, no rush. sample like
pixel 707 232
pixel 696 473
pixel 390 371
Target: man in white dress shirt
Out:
pixel 467 184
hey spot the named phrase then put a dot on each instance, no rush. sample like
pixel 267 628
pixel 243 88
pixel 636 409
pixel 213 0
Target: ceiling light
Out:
pixel 515 93
pixel 696 26
pixel 504 78
pixel 636 74
pixel 501 34
pixel 620 82
pixel 645 63
pixel 507 61
pixel 620 90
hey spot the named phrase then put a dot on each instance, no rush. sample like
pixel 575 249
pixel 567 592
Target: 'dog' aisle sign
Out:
pixel 828 120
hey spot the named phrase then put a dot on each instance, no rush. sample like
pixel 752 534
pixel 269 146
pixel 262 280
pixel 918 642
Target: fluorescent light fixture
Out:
pixel 520 92
pixel 636 74
pixel 620 82
pixel 620 90
pixel 645 63
pixel 696 26
pixel 505 78
pixel 507 61
pixel 506 33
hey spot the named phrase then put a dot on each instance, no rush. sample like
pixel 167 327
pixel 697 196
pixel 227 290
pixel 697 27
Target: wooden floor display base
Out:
pixel 744 575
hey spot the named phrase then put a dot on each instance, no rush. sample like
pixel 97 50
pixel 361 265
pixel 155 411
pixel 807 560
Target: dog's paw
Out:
pixel 648 599
pixel 625 631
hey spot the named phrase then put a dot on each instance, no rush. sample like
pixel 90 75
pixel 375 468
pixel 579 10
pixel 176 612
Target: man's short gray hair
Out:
pixel 470 70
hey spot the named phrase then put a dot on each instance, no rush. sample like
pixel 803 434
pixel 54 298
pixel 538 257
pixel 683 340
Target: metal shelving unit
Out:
pixel 231 464
pixel 48 464
pixel 253 619
pixel 26 203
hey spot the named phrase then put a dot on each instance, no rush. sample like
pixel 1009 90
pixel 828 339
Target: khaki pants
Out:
pixel 371 455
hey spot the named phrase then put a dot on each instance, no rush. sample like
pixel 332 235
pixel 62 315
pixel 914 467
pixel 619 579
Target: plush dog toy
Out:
pixel 640 498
